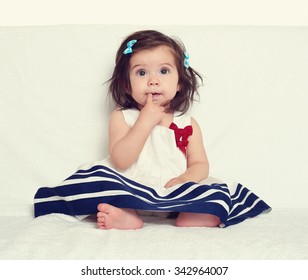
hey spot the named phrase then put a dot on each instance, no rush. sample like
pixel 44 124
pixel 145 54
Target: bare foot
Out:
pixel 197 220
pixel 109 217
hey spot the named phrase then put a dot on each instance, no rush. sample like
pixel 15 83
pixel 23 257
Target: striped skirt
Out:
pixel 83 191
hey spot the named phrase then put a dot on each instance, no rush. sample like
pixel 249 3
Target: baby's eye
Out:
pixel 141 72
pixel 164 71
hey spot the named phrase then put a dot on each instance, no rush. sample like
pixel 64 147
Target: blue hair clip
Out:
pixel 186 59
pixel 129 47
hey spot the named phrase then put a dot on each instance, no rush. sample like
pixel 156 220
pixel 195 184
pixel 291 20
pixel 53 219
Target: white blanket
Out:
pixel 282 234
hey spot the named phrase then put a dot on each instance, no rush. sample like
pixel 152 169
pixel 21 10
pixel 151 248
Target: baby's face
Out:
pixel 154 72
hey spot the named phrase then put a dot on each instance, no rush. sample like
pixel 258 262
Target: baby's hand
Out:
pixel 174 181
pixel 151 112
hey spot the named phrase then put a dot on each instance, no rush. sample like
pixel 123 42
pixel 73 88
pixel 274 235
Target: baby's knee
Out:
pixel 197 220
pixel 212 221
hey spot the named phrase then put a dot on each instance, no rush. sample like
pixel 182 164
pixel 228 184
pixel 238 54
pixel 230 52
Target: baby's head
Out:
pixel 120 85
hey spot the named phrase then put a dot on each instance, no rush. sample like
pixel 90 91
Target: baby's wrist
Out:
pixel 145 123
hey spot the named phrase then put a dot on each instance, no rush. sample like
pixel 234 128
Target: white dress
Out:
pixel 160 159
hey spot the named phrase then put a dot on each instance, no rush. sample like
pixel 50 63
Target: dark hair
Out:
pixel 120 87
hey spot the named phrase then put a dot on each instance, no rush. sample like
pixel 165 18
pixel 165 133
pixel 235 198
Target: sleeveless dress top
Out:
pixel 163 155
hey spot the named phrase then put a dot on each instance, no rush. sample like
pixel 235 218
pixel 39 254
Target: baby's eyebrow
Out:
pixel 144 65
pixel 167 64
pixel 137 65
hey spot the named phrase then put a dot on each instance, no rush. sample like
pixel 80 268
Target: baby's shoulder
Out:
pixel 116 114
pixel 194 122
pixel 129 116
pixel 116 118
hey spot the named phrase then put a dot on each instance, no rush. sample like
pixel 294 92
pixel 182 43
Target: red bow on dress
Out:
pixel 181 136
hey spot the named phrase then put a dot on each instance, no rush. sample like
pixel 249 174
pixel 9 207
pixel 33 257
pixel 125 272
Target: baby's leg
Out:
pixel 109 217
pixel 197 220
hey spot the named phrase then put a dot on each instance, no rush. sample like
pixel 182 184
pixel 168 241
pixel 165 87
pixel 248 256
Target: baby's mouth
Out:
pixel 155 93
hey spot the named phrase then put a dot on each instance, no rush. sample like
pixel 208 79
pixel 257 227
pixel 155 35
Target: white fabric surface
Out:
pixel 253 114
pixel 282 234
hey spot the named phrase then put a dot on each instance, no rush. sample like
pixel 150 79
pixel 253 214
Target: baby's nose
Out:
pixel 153 83
pixel 153 80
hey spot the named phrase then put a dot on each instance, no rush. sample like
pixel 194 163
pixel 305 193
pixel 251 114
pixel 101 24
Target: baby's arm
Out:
pixel 197 162
pixel 126 143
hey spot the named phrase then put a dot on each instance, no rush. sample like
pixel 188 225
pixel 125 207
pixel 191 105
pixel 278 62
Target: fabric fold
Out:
pixel 80 194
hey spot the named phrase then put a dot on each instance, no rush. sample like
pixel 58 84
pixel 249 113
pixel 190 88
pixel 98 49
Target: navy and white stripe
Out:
pixel 83 191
